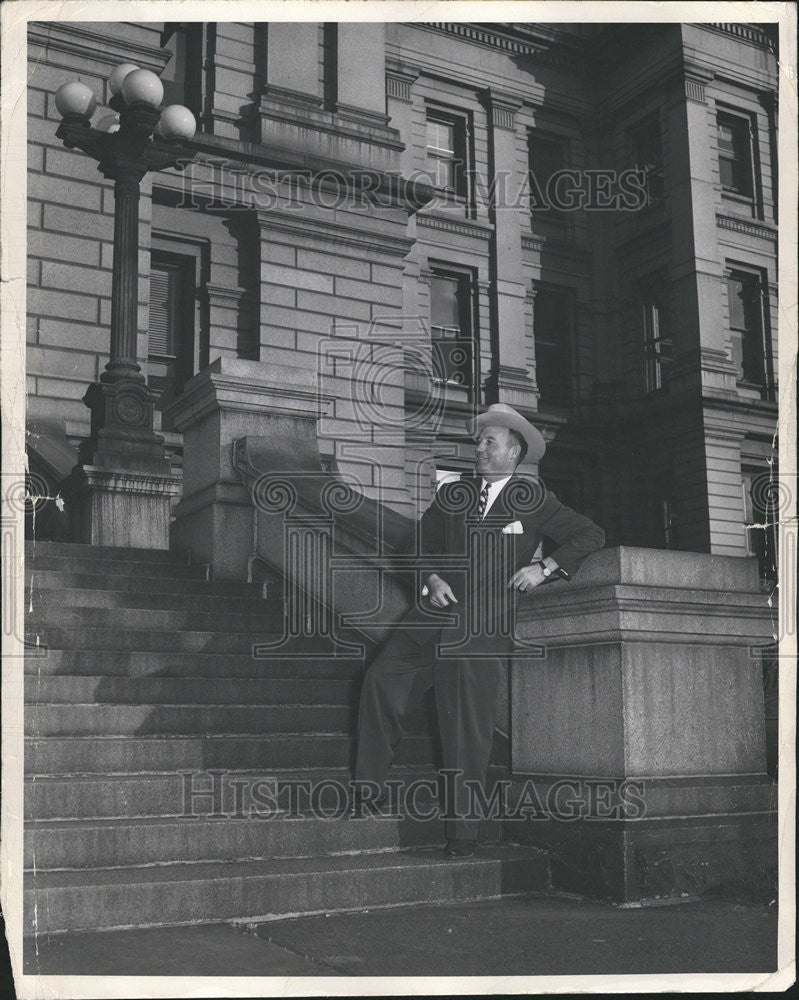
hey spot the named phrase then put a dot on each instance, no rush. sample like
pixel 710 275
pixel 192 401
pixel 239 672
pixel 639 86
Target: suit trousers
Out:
pixel 466 695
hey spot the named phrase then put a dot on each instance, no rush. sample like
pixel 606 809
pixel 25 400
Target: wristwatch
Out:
pixel 548 571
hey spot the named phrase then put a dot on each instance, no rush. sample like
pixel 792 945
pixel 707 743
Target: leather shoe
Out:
pixel 460 848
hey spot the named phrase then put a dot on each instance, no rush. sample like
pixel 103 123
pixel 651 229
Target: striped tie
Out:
pixel 481 510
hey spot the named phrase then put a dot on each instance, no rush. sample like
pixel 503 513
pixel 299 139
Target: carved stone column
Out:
pixel 510 380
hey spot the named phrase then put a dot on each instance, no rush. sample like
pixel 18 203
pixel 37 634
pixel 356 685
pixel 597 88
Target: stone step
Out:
pixel 286 662
pixel 113 569
pixel 270 833
pixel 53 615
pixel 101 553
pixel 155 640
pixel 121 690
pixel 96 583
pixel 147 794
pixel 197 892
pixel 175 720
pixel 122 754
pixel 44 601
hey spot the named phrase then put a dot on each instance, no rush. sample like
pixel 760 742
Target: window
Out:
pixel 546 157
pixel 735 154
pixel 171 341
pixel 750 352
pixel 552 326
pixel 648 155
pixel 760 503
pixel 658 346
pixel 452 326
pixel 182 75
pixel 446 151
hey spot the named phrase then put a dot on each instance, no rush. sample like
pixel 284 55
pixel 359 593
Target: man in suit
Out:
pixel 477 544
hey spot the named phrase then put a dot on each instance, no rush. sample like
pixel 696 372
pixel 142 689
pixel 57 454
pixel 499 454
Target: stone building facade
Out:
pixel 579 220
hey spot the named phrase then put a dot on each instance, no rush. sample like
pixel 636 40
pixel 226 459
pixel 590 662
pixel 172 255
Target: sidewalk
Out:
pixel 542 934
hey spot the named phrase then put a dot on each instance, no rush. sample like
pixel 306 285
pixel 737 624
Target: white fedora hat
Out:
pixel 502 415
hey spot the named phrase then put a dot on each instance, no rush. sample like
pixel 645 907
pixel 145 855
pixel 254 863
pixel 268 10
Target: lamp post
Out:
pixel 122 486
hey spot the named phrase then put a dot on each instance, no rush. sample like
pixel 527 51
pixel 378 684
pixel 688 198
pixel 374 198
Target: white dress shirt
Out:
pixel 494 490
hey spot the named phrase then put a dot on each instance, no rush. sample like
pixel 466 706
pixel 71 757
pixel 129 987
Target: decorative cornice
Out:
pixel 400 81
pixel 220 292
pixel 696 78
pixel 695 90
pixel 532 243
pixel 451 226
pixel 306 168
pixel 749 228
pixel 554 246
pixel 337 233
pixel 101 47
pixel 502 108
pixel 361 116
pixel 510 41
pixel 748 33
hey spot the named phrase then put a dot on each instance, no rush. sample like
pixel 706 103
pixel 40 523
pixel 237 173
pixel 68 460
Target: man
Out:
pixel 478 542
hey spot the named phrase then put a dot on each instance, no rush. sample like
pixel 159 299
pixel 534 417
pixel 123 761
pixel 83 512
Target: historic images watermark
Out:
pixel 228 186
pixel 221 794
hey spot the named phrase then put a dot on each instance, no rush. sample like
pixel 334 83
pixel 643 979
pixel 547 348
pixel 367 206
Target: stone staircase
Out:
pixel 170 776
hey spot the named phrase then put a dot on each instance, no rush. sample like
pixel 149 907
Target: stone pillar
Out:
pixel 399 107
pixel 361 66
pixel 726 515
pixel 228 400
pixel 640 724
pixel 292 57
pixel 697 269
pixel 510 382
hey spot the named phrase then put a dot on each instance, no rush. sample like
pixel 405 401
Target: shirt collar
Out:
pixel 495 487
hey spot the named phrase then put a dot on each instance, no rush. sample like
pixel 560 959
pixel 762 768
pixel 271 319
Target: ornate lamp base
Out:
pixel 120 492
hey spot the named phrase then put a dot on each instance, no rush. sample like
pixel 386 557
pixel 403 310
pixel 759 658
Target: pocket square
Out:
pixel 514 528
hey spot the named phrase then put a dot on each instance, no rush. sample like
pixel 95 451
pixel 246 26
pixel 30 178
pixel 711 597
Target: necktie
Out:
pixel 481 509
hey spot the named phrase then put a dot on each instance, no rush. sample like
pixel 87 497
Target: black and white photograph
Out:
pixel 398 498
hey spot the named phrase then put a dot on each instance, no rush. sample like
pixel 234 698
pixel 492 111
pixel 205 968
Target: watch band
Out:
pixel 548 572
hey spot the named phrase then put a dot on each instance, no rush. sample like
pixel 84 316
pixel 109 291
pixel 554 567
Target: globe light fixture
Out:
pixel 176 122
pixel 75 99
pixel 140 86
pixel 132 138
pixel 118 75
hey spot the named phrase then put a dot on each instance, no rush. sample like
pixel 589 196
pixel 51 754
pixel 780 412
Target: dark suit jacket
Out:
pixel 477 559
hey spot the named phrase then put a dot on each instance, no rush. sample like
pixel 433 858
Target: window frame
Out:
pixel 767 554
pixel 190 258
pixel 765 383
pixel 468 328
pixel 749 157
pixel 189 92
pixel 658 350
pixel 460 122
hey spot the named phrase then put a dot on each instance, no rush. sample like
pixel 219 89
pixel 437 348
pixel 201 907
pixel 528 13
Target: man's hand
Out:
pixel 439 592
pixel 527 577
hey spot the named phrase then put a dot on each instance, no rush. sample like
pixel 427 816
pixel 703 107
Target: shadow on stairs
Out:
pixel 172 778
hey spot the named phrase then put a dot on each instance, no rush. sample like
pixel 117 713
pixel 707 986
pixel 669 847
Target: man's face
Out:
pixel 496 453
